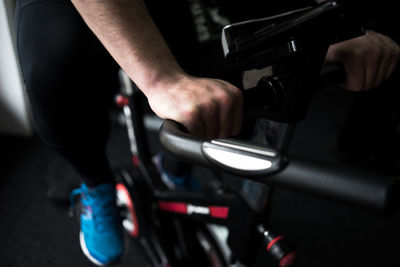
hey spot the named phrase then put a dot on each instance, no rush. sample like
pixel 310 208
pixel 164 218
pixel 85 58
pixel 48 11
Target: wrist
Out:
pixel 165 81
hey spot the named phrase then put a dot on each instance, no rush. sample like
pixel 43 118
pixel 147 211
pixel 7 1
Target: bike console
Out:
pixel 294 44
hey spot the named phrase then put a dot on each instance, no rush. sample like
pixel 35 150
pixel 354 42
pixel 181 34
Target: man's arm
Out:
pixel 206 107
pixel 368 60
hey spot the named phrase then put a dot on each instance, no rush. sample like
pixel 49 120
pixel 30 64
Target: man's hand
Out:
pixel 206 107
pixel 368 60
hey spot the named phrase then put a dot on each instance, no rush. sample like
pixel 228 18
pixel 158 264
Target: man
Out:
pixel 66 72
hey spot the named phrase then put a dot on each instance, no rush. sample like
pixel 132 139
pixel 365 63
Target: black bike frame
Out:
pixel 234 209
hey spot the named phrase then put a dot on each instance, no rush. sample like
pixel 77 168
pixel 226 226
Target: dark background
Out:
pixel 35 231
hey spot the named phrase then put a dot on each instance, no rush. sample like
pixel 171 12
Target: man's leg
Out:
pixel 70 79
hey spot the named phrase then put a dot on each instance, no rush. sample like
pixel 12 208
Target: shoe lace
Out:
pixel 99 205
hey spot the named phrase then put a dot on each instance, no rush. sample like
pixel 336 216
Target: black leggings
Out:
pixel 70 79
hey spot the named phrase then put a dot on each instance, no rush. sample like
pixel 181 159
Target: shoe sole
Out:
pixel 86 251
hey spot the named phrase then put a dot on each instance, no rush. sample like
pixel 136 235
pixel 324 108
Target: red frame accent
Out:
pixel 177 207
pixel 219 212
pixel 121 101
pixel 135 160
pixel 276 239
pixel 131 208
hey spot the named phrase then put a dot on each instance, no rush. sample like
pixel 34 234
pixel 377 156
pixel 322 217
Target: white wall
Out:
pixel 14 112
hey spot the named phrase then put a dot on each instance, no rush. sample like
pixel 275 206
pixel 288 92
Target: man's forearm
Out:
pixel 128 32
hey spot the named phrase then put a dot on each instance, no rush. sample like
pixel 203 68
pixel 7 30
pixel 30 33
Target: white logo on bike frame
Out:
pixel 190 209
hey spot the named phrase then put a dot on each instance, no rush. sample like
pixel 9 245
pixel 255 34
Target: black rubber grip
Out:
pixel 182 145
pixel 339 182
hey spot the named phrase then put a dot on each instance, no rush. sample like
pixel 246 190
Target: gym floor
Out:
pixel 37 232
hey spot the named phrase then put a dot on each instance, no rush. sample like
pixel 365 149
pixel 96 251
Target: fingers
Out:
pixel 394 63
pixel 207 108
pixel 210 119
pixel 382 60
pixel 391 58
pixel 214 109
pixel 368 60
pixel 355 79
pixel 225 115
pixel 190 117
pixel 231 110
pixel 238 112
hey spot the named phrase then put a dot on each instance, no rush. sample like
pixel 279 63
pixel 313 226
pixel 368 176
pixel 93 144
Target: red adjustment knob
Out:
pixel 288 259
pixel 121 101
pixel 283 253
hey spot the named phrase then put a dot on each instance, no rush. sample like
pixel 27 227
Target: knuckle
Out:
pixel 225 100
pixel 208 104
pixel 222 98
pixel 237 93
pixel 190 112
pixel 333 53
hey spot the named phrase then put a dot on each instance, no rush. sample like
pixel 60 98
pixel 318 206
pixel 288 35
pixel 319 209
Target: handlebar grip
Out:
pixel 182 145
pixel 340 183
pixel 233 156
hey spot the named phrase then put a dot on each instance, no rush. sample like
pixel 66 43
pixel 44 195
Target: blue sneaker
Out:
pixel 101 235
pixel 184 182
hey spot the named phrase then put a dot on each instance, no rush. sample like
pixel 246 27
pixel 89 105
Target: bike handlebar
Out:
pixel 284 97
pixel 340 183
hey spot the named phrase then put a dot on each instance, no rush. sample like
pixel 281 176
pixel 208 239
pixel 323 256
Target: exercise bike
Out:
pixel 219 226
